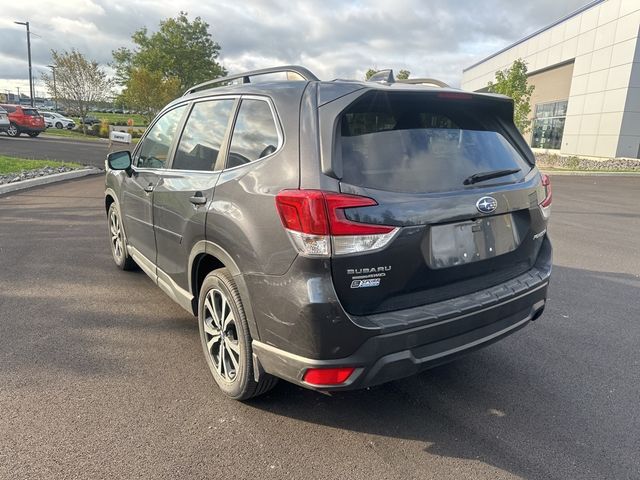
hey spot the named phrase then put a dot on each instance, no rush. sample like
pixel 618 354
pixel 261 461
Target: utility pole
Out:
pixel 29 55
pixel 55 94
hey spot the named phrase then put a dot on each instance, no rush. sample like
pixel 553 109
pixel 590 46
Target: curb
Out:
pixel 56 177
pixel 588 173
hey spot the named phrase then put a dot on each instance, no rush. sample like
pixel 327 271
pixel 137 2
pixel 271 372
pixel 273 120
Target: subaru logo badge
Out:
pixel 486 204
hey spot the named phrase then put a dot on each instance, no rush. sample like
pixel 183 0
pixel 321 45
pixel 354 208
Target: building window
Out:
pixel 548 125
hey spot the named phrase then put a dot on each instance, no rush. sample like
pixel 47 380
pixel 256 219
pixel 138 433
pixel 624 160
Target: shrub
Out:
pixel 104 129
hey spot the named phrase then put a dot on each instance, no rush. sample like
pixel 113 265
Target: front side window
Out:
pixel 155 147
pixel 255 134
pixel 203 135
pixel 548 125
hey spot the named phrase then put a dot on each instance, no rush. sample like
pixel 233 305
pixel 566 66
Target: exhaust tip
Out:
pixel 537 314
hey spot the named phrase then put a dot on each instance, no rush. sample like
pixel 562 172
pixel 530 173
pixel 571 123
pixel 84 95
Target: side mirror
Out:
pixel 119 160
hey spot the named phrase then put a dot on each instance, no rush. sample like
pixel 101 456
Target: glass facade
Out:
pixel 548 125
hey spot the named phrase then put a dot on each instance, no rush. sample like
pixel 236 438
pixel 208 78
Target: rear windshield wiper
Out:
pixel 480 177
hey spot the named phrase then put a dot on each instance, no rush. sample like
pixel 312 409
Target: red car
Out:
pixel 24 119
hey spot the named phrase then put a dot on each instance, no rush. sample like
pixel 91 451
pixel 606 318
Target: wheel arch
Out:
pixel 109 198
pixel 207 256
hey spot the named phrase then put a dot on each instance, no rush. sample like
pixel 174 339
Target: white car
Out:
pixel 53 119
pixel 4 120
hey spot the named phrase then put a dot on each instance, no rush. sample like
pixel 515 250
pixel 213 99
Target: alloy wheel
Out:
pixel 115 228
pixel 221 335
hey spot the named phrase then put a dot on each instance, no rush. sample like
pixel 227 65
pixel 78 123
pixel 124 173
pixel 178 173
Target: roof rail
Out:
pixel 424 81
pixel 386 76
pixel 246 76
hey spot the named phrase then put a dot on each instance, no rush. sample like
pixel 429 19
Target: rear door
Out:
pixel 32 119
pixel 150 158
pixel 185 191
pixel 416 154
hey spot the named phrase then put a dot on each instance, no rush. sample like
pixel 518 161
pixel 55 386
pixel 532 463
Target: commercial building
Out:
pixel 586 71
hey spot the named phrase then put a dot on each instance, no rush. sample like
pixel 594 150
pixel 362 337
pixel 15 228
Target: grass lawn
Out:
pixel 138 120
pixel 16 165
pixel 77 135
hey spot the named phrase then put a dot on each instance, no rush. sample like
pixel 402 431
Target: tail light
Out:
pixel 545 205
pixel 318 227
pixel 327 376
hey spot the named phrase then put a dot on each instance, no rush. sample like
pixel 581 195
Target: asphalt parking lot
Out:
pixel 102 376
pixel 52 148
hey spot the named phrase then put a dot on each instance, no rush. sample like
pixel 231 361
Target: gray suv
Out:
pixel 336 234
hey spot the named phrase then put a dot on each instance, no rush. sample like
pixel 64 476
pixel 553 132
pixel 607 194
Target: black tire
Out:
pixel 33 134
pixel 13 130
pixel 59 125
pixel 232 370
pixel 117 240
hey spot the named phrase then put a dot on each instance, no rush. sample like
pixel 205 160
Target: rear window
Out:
pixel 415 143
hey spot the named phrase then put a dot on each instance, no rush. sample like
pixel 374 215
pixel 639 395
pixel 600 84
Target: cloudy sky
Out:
pixel 334 38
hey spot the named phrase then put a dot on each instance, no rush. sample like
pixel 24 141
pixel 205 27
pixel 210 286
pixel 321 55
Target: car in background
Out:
pixel 4 120
pixel 24 120
pixel 52 119
pixel 90 120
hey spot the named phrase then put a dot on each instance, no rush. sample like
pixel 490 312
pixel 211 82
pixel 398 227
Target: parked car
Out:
pixel 24 120
pixel 90 120
pixel 52 119
pixel 4 120
pixel 335 234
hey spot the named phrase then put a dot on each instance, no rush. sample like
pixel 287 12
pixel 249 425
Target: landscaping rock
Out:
pixel 28 174
pixel 579 163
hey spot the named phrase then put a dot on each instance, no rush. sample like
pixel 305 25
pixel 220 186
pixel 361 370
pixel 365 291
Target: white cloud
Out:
pixel 334 38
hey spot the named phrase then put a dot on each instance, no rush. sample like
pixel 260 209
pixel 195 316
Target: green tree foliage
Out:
pixel 179 55
pixel 403 75
pixel 512 82
pixel 79 82
pixel 148 91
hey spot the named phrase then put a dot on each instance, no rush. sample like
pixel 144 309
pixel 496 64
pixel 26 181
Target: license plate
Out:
pixel 460 243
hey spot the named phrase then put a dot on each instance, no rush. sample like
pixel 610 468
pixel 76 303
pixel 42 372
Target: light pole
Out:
pixel 29 54
pixel 19 101
pixel 55 94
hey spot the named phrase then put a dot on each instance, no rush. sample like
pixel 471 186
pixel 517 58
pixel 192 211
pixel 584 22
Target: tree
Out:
pixel 403 75
pixel 180 49
pixel 512 82
pixel 79 81
pixel 148 91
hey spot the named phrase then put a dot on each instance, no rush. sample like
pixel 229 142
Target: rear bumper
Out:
pixel 407 351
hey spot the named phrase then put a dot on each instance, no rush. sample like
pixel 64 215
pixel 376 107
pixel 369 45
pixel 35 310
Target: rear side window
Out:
pixel 415 143
pixel 156 144
pixel 30 112
pixel 255 134
pixel 202 136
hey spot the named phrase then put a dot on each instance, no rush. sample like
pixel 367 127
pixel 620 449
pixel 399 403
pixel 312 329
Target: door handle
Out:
pixel 149 188
pixel 198 199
